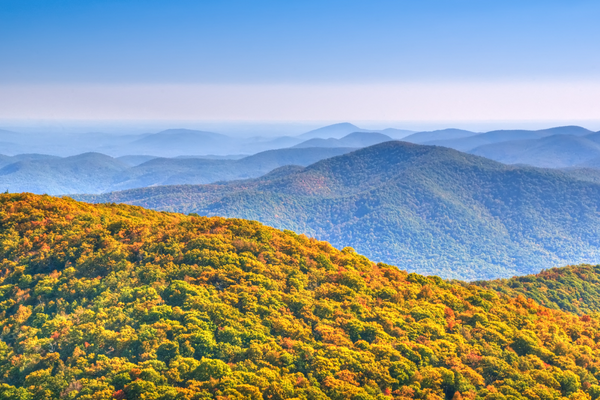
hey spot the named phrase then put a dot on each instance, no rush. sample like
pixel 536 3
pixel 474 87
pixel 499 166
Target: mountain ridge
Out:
pixel 424 208
pixel 352 140
pixel 96 172
pixel 469 143
pixel 555 151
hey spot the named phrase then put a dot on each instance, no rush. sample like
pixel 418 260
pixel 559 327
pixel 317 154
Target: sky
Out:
pixel 327 60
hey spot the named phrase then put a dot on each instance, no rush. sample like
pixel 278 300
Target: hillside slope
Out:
pixel 424 208
pixel 108 301
pixel 574 289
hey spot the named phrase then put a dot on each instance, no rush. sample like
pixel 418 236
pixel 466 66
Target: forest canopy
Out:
pixel 574 288
pixel 119 302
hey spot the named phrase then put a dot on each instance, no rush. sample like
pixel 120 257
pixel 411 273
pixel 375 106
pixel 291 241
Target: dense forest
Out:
pixel 574 288
pixel 425 209
pixel 119 302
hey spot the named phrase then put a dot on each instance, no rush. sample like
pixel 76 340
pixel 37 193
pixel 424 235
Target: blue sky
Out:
pixel 115 44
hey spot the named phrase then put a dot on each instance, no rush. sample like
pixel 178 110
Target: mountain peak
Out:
pixel 335 131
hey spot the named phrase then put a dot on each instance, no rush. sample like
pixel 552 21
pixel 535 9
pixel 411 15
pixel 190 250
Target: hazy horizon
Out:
pixel 437 62
pixel 265 128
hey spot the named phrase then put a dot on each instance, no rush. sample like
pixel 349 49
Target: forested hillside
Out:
pixel 574 288
pixel 119 302
pixel 427 209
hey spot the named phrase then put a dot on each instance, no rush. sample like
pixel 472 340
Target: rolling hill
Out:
pixel 97 173
pixel 169 171
pixel 471 142
pixel 355 139
pixel 427 209
pixel 133 160
pixel 442 134
pixel 556 151
pixel 114 301
pixel 335 131
pixel 88 173
pixel 7 160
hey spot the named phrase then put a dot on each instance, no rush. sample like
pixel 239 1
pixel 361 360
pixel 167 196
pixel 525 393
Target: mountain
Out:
pixel 427 209
pixel 557 151
pixel 443 134
pixel 97 173
pixel 471 142
pixel 594 137
pixel 133 160
pixel 113 301
pixel 355 139
pixel 89 173
pixel 172 171
pixel 6 160
pixel 335 131
pixel 396 134
pixel 167 143
pixel 257 145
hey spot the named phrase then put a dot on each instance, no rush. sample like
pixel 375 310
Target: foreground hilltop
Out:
pixel 115 301
pixel 428 209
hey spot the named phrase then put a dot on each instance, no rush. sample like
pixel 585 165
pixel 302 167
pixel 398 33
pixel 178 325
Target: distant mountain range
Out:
pixel 132 161
pixel 510 146
pixel 424 208
pixel 355 139
pixel 556 151
pixel 97 173
pixel 443 134
pixel 337 131
pixel 468 143
pixel 170 142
